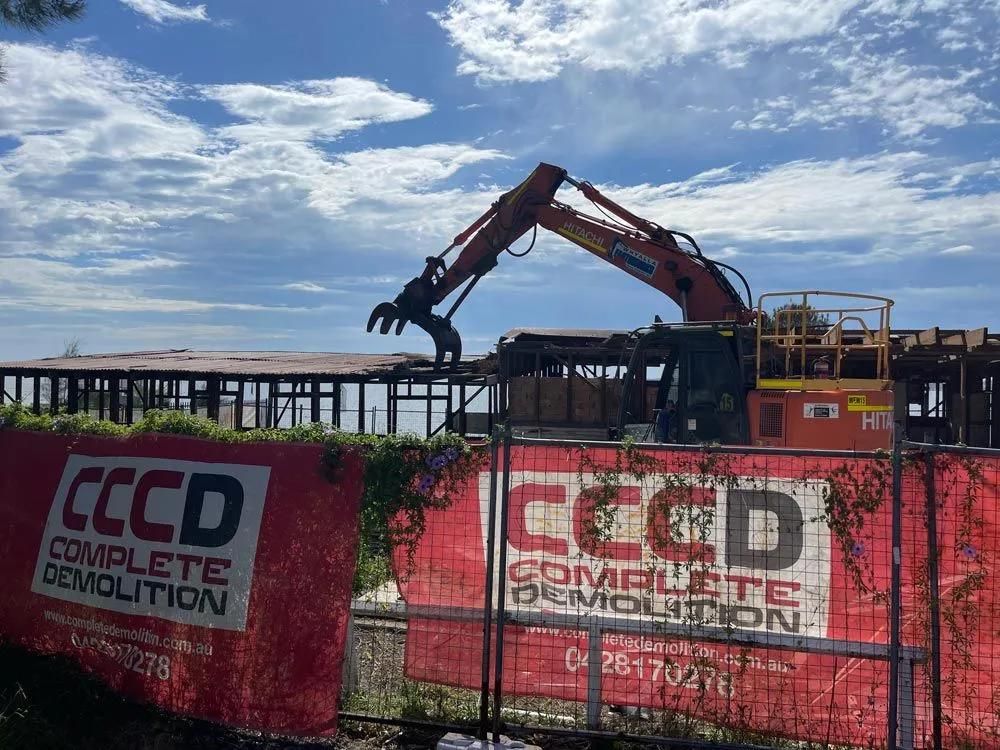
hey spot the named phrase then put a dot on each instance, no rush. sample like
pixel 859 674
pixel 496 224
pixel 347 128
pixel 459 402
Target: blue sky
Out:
pixel 245 174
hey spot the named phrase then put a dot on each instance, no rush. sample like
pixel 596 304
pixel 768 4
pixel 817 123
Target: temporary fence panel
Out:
pixel 388 619
pixel 210 579
pixel 952 602
pixel 747 591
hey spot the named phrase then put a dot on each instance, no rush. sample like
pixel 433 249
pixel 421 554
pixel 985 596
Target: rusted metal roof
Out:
pixel 936 341
pixel 595 334
pixel 232 363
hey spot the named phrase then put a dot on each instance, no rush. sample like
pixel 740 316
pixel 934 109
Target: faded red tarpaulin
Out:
pixel 767 562
pixel 210 579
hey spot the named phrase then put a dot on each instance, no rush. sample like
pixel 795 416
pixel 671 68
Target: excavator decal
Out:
pixel 641 264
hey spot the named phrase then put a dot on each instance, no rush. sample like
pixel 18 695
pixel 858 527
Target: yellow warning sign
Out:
pixel 860 403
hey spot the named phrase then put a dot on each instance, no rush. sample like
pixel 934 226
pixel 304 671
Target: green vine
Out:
pixel 405 476
pixel 856 497
pixel 600 498
pixel 960 478
pixel 851 498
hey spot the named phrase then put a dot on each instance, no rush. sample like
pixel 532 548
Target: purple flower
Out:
pixel 969 552
pixel 437 462
pixel 451 453
pixel 426 482
pixel 858 549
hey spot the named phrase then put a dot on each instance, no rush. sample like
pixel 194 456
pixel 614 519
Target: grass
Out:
pixel 48 703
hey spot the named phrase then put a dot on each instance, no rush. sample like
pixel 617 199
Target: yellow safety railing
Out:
pixel 810 343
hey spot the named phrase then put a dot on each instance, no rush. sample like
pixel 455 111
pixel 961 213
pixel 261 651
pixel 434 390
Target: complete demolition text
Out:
pixel 198 583
pixel 710 598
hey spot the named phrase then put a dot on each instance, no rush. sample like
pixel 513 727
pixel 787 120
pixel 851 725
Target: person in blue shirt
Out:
pixel 663 419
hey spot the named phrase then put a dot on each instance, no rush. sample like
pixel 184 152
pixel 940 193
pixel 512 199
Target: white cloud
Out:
pixel 795 209
pixel 160 11
pixel 128 266
pixel 396 176
pixel 957 250
pixel 106 181
pixel 72 105
pixel 533 40
pixel 310 110
pixel 909 99
pixel 175 217
pixel 42 284
pixel 304 286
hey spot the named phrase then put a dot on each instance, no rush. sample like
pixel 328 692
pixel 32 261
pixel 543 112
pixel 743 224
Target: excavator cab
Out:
pixel 685 384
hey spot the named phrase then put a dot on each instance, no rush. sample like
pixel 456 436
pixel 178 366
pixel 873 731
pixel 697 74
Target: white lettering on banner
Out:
pixel 876 420
pixel 159 537
pixel 752 554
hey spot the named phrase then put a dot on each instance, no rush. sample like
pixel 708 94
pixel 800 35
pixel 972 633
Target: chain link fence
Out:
pixel 695 597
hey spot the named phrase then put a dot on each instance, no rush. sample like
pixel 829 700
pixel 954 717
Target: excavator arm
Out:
pixel 637 246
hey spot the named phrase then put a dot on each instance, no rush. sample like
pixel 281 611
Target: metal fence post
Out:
pixel 501 584
pixel 484 690
pixel 906 705
pixel 350 679
pixel 595 663
pixel 895 593
pixel 934 593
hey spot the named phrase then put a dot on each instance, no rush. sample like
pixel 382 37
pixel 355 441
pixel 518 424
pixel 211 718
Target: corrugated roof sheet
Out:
pixel 232 363
pixel 597 334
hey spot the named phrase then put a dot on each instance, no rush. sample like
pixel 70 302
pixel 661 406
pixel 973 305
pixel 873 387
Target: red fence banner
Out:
pixel 744 544
pixel 210 579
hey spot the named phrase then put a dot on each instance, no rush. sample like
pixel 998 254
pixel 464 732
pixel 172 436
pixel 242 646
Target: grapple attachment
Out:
pixel 447 341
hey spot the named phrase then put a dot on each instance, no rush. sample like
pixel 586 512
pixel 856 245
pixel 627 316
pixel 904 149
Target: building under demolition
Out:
pixel 546 382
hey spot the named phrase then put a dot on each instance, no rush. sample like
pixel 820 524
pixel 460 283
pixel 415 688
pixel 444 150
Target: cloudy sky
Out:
pixel 247 174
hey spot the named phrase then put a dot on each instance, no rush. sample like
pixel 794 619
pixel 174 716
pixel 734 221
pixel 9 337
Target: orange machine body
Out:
pixel 830 420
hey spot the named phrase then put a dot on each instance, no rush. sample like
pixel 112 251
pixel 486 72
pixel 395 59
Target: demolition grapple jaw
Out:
pixel 447 341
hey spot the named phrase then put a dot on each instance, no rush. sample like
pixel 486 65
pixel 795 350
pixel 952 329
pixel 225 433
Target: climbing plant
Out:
pixel 856 507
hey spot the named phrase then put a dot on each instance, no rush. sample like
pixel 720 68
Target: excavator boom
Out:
pixel 635 245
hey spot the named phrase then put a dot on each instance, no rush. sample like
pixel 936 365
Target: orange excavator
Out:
pixel 804 375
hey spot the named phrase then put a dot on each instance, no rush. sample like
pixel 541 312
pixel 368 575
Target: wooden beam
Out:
pixel 314 403
pixel 995 408
pixel 930 337
pixel 54 394
pixel 238 407
pixel 114 399
pixel 72 395
pixel 361 408
pixel 213 385
pixel 975 338
pixel 129 398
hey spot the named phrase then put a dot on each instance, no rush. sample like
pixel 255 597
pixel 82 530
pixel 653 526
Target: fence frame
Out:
pixel 901 659
pixel 929 451
pixel 495 616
